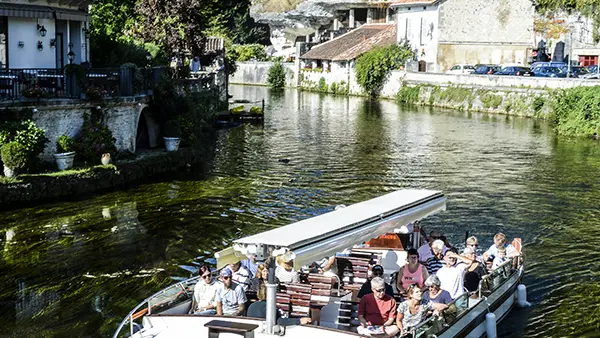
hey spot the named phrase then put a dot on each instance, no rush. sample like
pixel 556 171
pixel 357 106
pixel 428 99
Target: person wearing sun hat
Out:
pixel 285 268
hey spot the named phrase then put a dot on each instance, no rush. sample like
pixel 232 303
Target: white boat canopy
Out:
pixel 324 235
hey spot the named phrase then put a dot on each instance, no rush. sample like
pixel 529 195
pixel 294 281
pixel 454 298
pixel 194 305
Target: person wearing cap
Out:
pixel 412 272
pixel 231 298
pixel 367 288
pixel 285 268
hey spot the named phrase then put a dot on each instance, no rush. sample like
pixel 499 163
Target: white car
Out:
pixel 461 69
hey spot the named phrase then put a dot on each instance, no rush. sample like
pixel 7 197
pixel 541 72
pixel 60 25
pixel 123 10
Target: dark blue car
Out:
pixel 549 72
pixel 515 70
pixel 592 68
pixel 486 69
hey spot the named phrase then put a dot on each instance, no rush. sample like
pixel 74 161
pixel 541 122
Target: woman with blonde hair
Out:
pixel 262 276
pixel 413 310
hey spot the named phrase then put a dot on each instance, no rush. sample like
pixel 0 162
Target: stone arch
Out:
pixel 148 129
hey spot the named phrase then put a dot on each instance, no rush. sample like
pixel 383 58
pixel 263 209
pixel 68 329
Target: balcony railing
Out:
pixel 49 83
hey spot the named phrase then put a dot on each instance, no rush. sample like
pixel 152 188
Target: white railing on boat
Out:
pixel 181 287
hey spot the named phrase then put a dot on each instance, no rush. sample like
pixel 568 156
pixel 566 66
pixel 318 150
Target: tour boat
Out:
pixel 332 306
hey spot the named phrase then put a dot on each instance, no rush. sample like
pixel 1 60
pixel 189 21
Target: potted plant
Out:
pixel 15 157
pixel 64 152
pixel 35 92
pixel 95 93
pixel 172 135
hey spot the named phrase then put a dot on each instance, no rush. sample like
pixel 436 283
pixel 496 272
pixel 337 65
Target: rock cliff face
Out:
pixel 289 19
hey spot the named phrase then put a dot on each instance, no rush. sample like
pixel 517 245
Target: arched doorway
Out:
pixel 148 130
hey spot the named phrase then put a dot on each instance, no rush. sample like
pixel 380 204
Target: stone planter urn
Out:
pixel 171 143
pixel 9 172
pixel 105 159
pixel 64 161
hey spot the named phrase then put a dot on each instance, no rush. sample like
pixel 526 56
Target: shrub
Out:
pixel 172 129
pixel 14 156
pixel 94 140
pixel 323 87
pixel 408 94
pixel 35 92
pixel 32 138
pixel 276 76
pixel 374 66
pixel 95 92
pixel 251 51
pixel 576 111
pixel 64 144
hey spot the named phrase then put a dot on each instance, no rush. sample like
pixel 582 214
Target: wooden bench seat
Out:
pixel 215 327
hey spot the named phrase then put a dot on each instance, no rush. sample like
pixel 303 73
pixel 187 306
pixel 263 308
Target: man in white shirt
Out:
pixel 240 274
pixel 452 275
pixel 500 241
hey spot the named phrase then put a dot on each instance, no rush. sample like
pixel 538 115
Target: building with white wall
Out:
pixel 41 33
pixel 447 32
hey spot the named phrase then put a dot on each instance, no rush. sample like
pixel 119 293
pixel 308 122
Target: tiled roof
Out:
pixel 352 44
pixel 412 2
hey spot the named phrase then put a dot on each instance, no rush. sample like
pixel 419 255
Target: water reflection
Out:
pixel 75 269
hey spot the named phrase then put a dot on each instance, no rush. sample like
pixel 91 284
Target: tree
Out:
pixel 373 67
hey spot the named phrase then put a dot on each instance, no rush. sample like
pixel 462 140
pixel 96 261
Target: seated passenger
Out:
pixel 452 275
pixel 285 269
pixel 205 292
pixel 377 312
pixel 258 309
pixel 413 310
pixel 435 293
pixel 473 244
pixel 435 262
pixel 367 287
pixel 426 250
pixel 231 297
pixel 412 272
pixel 499 242
pixel 262 275
pixel 474 271
pixel 250 264
pixel 500 258
pixel 240 275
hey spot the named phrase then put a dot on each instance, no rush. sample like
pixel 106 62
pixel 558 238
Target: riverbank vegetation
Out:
pixel 576 111
pixel 276 76
pixel 374 66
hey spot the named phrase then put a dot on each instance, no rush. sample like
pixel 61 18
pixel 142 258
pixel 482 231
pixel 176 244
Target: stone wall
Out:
pixel 65 117
pixel 255 73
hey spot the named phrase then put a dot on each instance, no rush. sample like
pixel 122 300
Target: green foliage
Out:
pixel 249 52
pixel 373 67
pixel 14 155
pixel 94 139
pixel 408 94
pixel 588 8
pixel 339 88
pixel 323 87
pixel 489 100
pixel 256 110
pixel 538 104
pixel 172 129
pixel 64 144
pixel 237 110
pixel 276 76
pixel 456 94
pixel 32 138
pixel 576 111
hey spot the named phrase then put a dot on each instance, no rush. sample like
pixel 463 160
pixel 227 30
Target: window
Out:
pixel 4 42
pixel 408 30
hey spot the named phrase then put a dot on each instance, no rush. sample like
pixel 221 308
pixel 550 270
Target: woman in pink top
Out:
pixel 412 272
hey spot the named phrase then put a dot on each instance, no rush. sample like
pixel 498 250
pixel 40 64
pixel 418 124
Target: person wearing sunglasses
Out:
pixel 367 288
pixel 413 310
pixel 377 312
pixel 205 291
pixel 230 298
pixel 426 250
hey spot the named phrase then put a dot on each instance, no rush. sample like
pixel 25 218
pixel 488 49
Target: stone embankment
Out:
pixel 44 187
pixel 512 95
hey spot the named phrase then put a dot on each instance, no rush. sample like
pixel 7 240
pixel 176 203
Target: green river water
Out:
pixel 75 268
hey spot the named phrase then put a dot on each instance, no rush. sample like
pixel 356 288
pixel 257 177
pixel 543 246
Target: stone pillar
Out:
pixel 316 38
pixel 336 24
pixel 331 37
pixel 369 15
pixel 308 38
pixel 325 65
pixel 351 19
pixel 313 64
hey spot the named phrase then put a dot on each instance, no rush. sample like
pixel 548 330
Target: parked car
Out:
pixel 461 69
pixel 548 71
pixel 576 71
pixel 591 76
pixel 515 70
pixel 592 68
pixel 486 69
pixel 548 64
